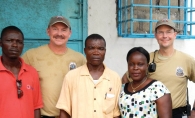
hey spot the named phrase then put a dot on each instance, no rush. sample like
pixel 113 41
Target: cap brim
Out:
pixel 166 25
pixel 59 22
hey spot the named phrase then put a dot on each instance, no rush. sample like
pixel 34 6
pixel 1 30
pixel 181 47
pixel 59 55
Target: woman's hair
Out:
pixel 141 50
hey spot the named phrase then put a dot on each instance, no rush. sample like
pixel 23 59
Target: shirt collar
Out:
pixel 85 72
pixel 23 67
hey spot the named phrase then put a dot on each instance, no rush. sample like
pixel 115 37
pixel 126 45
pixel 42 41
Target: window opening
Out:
pixel 137 18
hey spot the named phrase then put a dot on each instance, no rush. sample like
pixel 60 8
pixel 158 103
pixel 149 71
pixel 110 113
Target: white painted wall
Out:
pixel 102 20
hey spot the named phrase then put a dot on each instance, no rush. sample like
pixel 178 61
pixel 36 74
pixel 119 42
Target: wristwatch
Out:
pixel 193 108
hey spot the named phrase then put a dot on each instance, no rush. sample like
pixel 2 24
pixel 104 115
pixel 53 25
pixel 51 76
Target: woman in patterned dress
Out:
pixel 143 97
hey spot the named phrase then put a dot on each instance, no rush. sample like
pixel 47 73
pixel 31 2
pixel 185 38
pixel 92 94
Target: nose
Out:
pixel 96 51
pixel 165 34
pixel 135 67
pixel 14 43
pixel 59 32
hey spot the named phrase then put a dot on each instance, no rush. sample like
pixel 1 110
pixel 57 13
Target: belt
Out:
pixel 180 110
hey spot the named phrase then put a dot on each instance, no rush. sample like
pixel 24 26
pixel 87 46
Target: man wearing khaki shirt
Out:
pixel 92 90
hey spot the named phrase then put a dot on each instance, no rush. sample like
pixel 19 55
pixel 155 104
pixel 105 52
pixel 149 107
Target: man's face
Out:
pixel 12 44
pixel 59 34
pixel 165 36
pixel 95 51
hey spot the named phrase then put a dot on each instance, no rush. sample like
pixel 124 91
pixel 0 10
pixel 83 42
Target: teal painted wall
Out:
pixel 32 18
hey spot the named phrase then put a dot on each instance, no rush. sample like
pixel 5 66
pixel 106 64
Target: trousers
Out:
pixel 179 112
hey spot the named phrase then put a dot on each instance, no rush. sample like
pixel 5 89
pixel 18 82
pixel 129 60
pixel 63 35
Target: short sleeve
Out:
pixel 64 101
pixel 37 92
pixel 158 89
pixel 192 72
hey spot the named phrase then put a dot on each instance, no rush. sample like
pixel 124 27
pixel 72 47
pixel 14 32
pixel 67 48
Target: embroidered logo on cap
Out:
pixel 59 17
pixel 164 20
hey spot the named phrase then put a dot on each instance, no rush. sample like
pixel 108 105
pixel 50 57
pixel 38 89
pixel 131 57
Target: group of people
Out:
pixel 171 68
pixel 54 81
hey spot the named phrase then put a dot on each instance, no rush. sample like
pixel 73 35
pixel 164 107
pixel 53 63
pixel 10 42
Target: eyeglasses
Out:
pixel 19 85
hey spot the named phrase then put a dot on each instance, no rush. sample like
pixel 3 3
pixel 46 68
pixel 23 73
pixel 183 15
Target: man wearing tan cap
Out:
pixel 53 61
pixel 173 68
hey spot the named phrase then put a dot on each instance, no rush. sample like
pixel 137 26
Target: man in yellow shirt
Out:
pixel 92 90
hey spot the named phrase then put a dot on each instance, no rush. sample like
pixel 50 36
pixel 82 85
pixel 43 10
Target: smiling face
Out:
pixel 95 51
pixel 12 44
pixel 137 66
pixel 165 35
pixel 59 34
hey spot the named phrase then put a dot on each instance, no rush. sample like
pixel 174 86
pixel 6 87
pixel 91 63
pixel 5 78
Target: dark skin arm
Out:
pixel 164 106
pixel 37 113
pixel 192 112
pixel 64 114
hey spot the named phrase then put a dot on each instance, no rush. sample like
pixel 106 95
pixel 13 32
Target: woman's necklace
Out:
pixel 138 85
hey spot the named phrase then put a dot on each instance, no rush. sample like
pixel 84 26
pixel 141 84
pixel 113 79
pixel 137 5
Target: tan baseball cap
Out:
pixel 57 19
pixel 167 22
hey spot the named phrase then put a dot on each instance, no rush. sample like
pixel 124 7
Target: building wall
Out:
pixel 102 20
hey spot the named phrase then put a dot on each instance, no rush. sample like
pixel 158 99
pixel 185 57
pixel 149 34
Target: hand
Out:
pixel 192 114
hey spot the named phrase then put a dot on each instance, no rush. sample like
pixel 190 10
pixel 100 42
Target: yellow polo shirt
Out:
pixel 81 98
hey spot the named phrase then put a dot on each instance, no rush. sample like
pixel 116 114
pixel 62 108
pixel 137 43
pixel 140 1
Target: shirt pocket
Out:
pixel 109 103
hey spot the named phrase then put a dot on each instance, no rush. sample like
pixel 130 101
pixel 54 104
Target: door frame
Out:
pixel 85 21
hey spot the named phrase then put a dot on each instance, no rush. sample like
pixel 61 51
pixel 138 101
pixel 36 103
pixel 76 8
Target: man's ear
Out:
pixel 70 31
pixel 0 43
pixel 47 31
pixel 85 50
pixel 175 34
pixel 155 34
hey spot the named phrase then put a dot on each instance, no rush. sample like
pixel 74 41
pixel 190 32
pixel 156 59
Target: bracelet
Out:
pixel 193 108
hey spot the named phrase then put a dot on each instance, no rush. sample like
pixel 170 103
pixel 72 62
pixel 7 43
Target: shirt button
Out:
pixel 94 110
pixel 94 98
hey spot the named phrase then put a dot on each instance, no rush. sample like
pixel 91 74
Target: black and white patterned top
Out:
pixel 141 104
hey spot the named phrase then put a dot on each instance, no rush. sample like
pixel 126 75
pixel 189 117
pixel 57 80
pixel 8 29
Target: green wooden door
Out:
pixel 32 17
